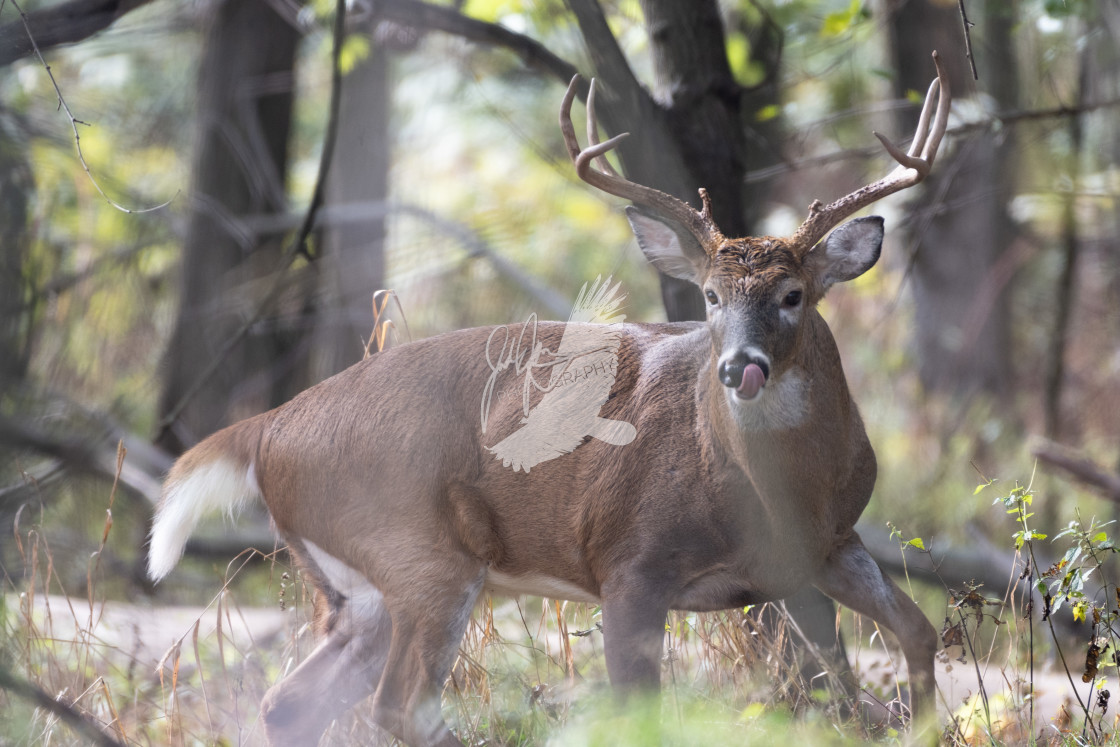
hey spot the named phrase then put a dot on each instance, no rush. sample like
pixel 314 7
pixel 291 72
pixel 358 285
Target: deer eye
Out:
pixel 713 299
pixel 793 298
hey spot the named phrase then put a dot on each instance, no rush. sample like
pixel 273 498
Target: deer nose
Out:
pixel 745 372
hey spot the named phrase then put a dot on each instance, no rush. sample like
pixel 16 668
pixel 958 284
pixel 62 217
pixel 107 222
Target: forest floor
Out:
pixel 142 639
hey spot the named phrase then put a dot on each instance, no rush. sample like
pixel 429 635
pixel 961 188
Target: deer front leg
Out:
pixel 633 634
pixel 854 579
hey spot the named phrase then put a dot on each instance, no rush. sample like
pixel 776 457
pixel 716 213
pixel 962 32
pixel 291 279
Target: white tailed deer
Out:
pixel 740 481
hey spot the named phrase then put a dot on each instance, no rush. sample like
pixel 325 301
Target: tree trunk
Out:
pixel 353 240
pixel 692 131
pixel 701 100
pixel 244 112
pixel 960 224
pixel 17 186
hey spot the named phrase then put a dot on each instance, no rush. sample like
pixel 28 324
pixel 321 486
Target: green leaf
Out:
pixel 917 542
pixel 1065 532
pixel 835 24
pixel 839 22
pixel 355 48
pixel 766 113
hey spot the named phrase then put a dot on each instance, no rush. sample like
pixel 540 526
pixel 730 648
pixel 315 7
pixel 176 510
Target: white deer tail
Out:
pixel 217 475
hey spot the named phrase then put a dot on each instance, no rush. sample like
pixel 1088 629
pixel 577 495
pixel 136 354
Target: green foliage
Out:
pixel 1064 582
pixel 1076 581
pixel 355 49
pixel 841 21
pixel 767 113
pixel 1066 8
pixel 1017 503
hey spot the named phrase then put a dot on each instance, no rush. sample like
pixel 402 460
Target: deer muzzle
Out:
pixel 744 372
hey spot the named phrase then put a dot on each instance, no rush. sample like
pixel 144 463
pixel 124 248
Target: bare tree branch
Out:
pixel 82 724
pixel 74 121
pixel 87 445
pixel 968 40
pixel 606 55
pixel 1079 467
pixel 449 20
pixel 552 301
pixel 64 23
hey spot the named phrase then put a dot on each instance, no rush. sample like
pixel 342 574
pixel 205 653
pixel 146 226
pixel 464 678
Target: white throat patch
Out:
pixel 782 403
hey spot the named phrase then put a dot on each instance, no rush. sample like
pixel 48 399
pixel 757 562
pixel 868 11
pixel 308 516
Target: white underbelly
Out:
pixel 535 584
pixel 365 598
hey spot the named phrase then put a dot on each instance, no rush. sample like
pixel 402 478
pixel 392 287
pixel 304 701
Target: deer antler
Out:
pixel 912 169
pixel 698 222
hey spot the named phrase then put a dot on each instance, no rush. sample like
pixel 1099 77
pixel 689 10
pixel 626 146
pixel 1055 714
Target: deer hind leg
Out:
pixel 853 578
pixel 342 671
pixel 430 616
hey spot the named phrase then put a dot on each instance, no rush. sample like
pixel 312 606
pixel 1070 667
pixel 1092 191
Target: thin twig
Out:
pixel 74 122
pixel 299 245
pixel 967 24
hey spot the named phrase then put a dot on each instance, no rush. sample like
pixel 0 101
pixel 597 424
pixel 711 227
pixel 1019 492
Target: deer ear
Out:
pixel 669 250
pixel 848 252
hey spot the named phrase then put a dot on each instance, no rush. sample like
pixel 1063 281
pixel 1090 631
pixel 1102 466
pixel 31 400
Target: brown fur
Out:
pixel 730 492
pixel 384 467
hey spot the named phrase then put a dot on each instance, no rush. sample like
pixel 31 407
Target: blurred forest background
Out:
pixel 246 196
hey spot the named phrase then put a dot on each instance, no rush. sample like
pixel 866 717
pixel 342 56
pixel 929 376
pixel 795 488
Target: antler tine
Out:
pixel 912 168
pixel 593 131
pixel 698 222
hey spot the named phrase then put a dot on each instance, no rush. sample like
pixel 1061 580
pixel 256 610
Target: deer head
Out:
pixel 760 291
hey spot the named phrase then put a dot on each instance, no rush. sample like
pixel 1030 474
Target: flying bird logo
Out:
pixel 580 383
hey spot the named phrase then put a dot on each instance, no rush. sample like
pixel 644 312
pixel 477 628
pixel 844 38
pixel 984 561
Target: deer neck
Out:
pixel 790 443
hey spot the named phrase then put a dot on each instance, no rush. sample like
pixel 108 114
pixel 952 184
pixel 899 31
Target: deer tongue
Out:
pixel 753 380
